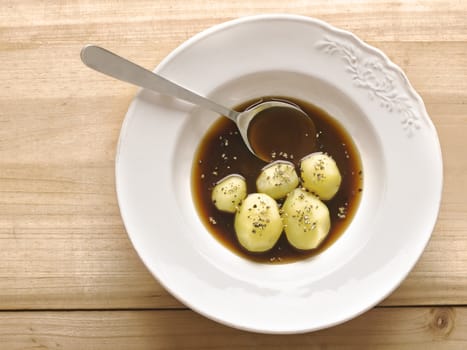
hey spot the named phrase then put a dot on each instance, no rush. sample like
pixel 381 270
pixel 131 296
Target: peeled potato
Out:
pixel 277 179
pixel 258 224
pixel 229 192
pixel 306 219
pixel 320 175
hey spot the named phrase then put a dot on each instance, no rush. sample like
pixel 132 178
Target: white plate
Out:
pixel 313 61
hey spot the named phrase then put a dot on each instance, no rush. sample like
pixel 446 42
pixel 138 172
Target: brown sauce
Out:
pixel 222 152
pixel 269 133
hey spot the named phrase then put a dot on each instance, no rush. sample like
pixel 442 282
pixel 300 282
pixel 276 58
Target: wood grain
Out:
pixel 62 242
pixel 382 328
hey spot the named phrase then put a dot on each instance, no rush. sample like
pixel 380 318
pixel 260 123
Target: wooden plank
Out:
pixel 387 20
pixel 381 328
pixel 64 245
pixel 436 69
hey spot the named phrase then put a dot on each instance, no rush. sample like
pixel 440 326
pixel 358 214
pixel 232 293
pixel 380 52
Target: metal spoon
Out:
pixel 109 63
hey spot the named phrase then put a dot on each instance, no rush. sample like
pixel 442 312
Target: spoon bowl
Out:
pixel 276 127
pixel 109 63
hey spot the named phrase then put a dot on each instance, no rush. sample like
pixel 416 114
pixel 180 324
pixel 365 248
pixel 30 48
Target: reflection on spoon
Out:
pixel 254 123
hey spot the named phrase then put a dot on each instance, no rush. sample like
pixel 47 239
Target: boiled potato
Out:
pixel 306 219
pixel 277 179
pixel 229 192
pixel 258 224
pixel 320 175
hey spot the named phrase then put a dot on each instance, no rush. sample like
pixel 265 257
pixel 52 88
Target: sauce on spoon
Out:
pixel 282 133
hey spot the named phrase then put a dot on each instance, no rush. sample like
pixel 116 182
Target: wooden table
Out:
pixel 69 277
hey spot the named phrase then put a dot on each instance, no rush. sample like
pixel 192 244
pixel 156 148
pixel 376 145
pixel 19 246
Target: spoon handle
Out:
pixel 107 62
